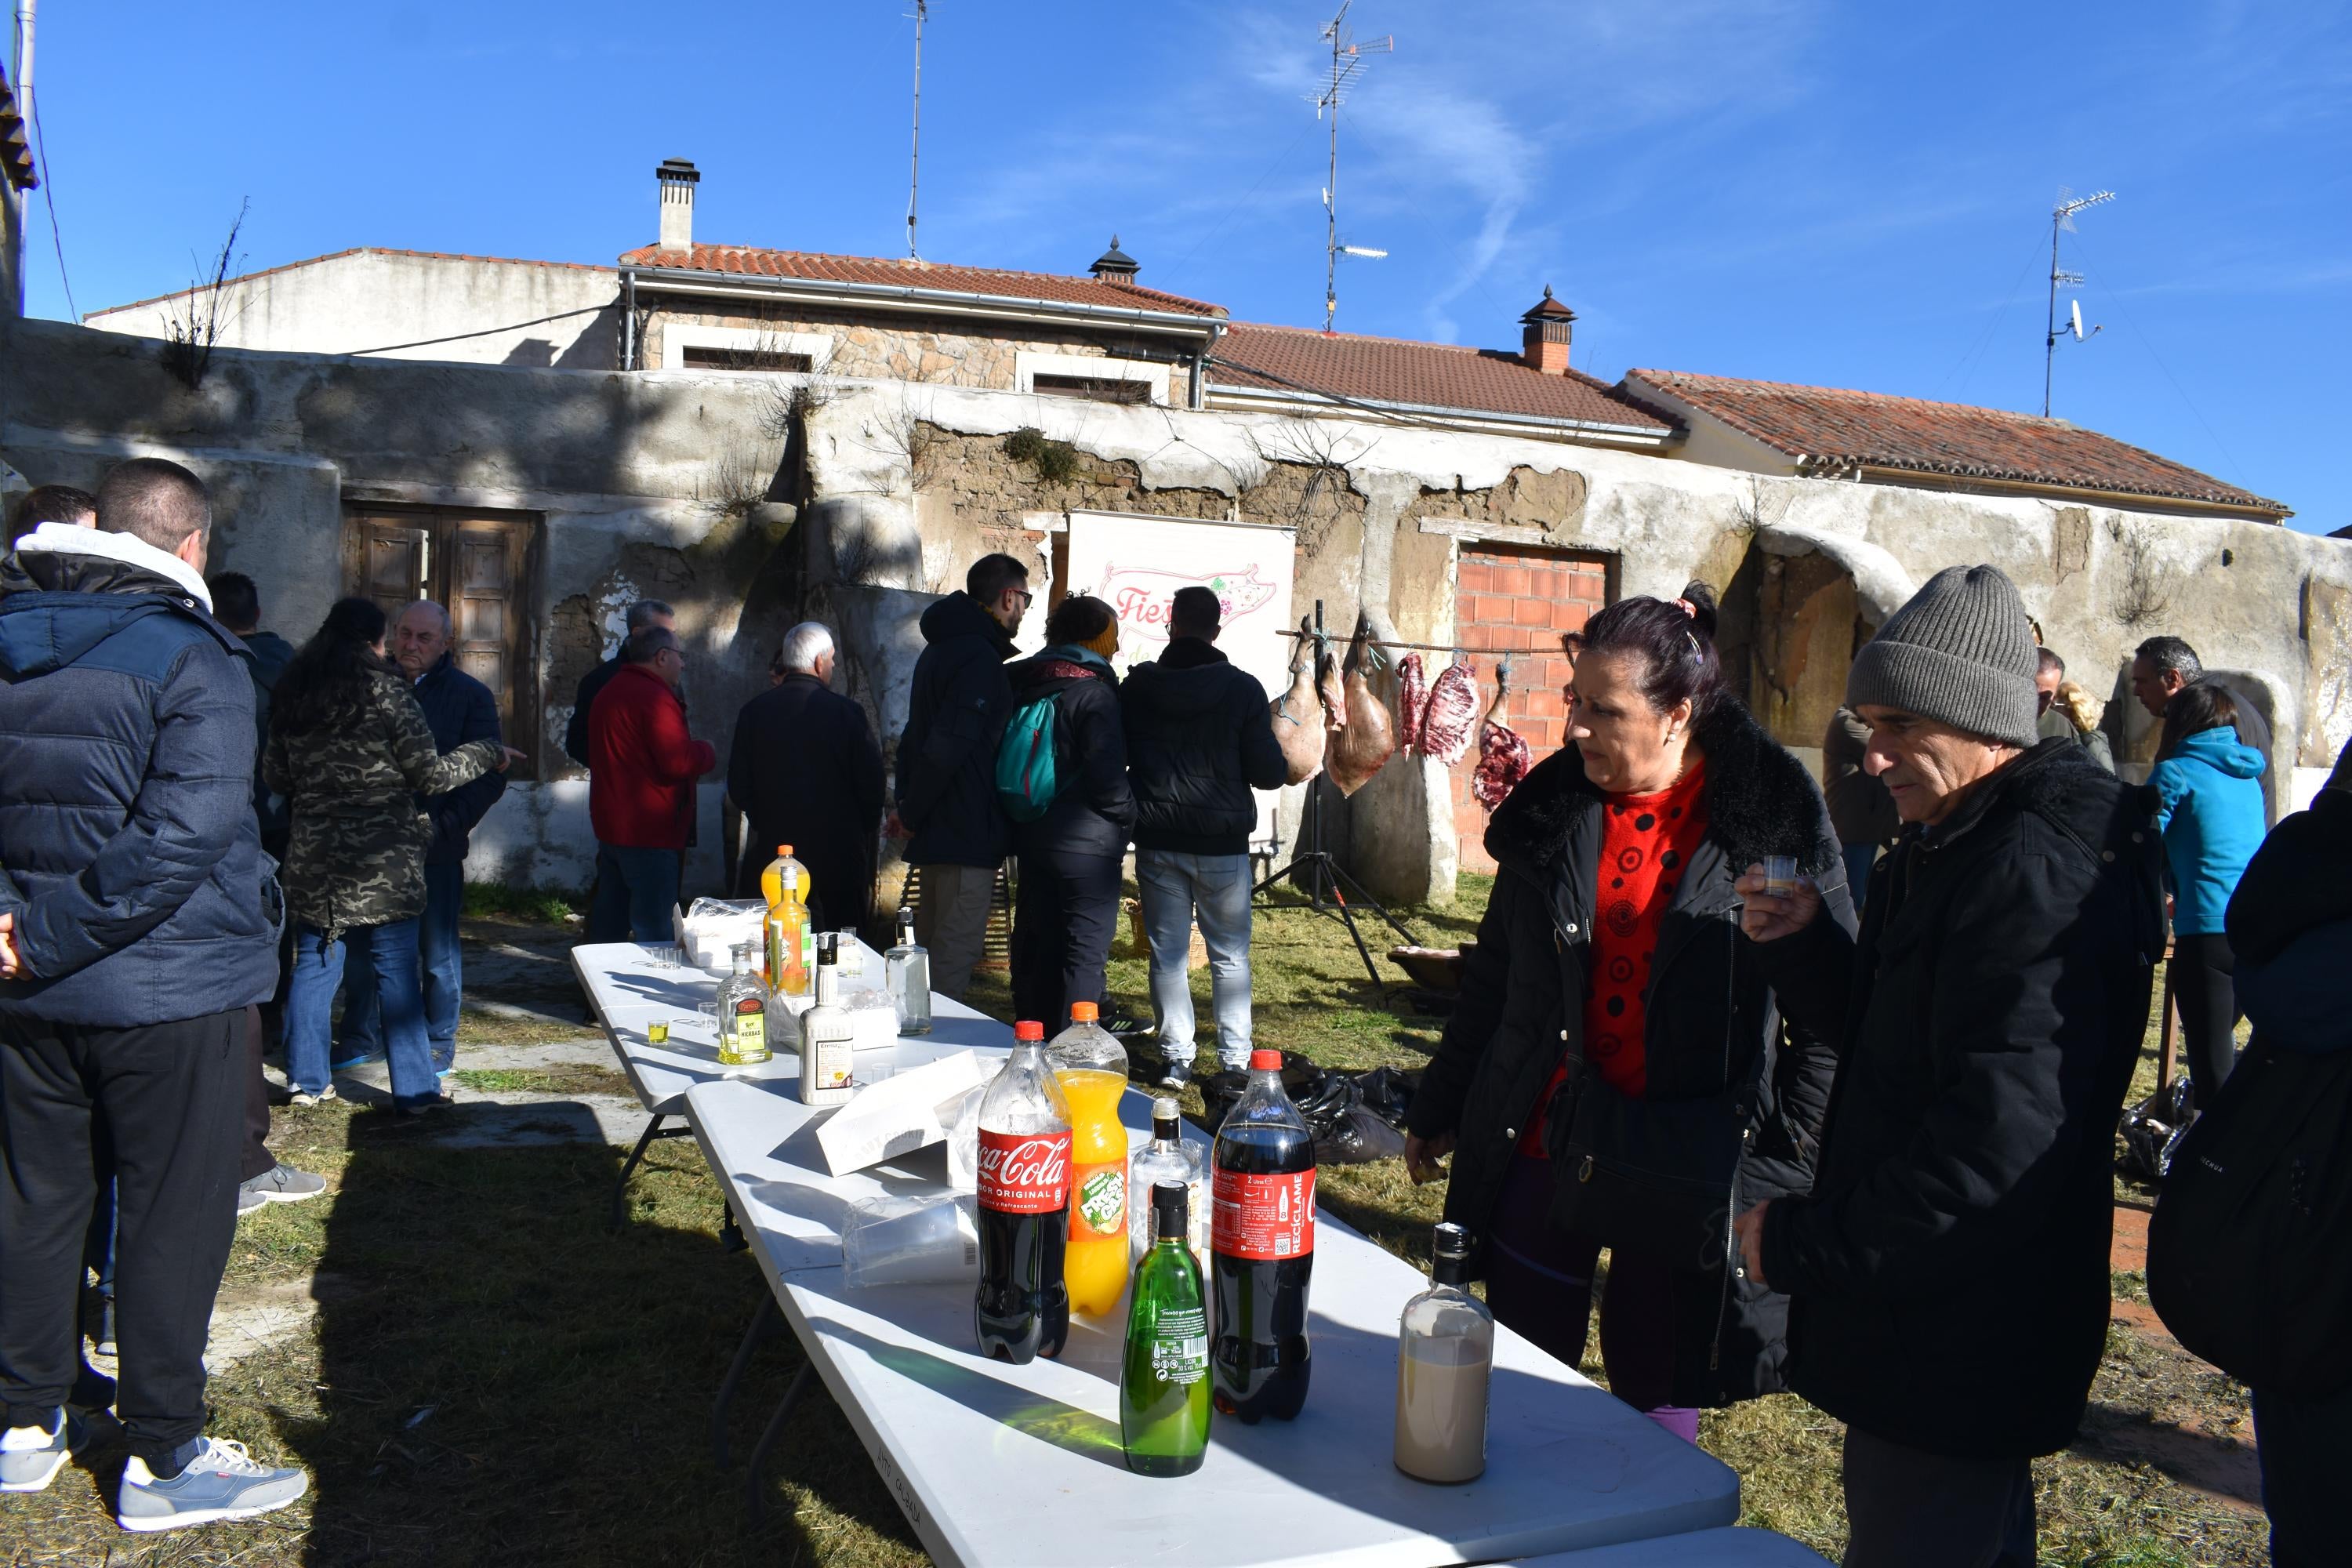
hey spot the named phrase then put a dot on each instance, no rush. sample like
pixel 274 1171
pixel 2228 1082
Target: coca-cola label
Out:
pixel 1263 1217
pixel 1025 1173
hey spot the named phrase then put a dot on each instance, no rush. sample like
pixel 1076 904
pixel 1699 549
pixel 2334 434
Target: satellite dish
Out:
pixel 2075 307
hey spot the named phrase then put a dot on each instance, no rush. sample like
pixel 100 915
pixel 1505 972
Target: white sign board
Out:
pixel 1137 564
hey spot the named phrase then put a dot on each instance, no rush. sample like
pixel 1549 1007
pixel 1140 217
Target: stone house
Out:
pixel 760 434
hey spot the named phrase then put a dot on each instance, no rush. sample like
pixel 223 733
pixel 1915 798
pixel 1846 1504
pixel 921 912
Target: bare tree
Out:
pixel 1317 454
pixel 2144 585
pixel 193 322
pixel 904 431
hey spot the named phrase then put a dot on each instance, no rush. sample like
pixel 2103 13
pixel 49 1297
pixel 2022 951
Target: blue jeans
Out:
pixel 391 952
pixel 637 890
pixel 1859 860
pixel 444 974
pixel 1178 889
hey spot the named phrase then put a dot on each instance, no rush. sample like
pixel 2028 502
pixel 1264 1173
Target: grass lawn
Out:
pixel 478 1373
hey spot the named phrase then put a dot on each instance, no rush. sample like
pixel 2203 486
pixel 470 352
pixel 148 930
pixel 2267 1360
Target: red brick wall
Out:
pixel 1518 600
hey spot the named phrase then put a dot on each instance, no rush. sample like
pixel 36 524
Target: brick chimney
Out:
pixel 1545 330
pixel 1116 266
pixel 677 179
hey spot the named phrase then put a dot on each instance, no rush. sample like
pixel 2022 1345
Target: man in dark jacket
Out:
pixel 458 709
pixel 1199 740
pixel 1949 1268
pixel 805 771
pixel 2162 665
pixel 237 604
pixel 642 613
pixel 137 923
pixel 947 763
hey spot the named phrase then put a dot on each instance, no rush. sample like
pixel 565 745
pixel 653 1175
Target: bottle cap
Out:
pixel 1170 1205
pixel 1262 1060
pixel 1450 1241
pixel 783 848
pixel 1165 1116
pixel 1084 1011
pixel 1028 1029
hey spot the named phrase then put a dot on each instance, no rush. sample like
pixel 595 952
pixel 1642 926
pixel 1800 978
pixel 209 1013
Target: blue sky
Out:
pixel 1841 193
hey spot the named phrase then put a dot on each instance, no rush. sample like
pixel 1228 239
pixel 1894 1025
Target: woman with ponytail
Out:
pixel 1616 1074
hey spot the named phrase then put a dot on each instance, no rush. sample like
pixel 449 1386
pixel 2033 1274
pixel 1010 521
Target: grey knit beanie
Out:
pixel 1959 651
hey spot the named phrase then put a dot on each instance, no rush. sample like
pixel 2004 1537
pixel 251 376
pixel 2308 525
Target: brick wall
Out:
pixel 1518 600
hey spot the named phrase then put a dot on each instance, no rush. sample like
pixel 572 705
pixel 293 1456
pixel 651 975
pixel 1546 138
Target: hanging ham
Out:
pixel 1412 696
pixel 1298 715
pixel 1503 755
pixel 1330 687
pixel 1358 751
pixel 1452 714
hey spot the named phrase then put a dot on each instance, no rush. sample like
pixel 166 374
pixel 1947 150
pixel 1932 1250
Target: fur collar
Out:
pixel 1759 800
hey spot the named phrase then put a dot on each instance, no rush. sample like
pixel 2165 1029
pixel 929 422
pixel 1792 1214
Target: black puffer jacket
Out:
pixel 1523 1008
pixel 947 754
pixel 1949 1270
pixel 1094 810
pixel 1199 738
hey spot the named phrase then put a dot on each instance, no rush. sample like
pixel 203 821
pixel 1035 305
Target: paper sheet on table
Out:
pixel 900 1114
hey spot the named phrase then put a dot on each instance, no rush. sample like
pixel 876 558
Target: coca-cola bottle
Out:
pixel 1261 1249
pixel 1022 1307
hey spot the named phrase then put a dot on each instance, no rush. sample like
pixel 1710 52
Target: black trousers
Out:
pixel 171 1099
pixel 2204 982
pixel 1063 919
pixel 1908 1508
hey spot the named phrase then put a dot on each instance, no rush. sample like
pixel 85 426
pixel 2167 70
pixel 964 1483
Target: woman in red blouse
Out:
pixel 1617 1074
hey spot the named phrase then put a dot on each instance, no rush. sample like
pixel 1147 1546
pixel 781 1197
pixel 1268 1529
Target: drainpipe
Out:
pixel 1196 394
pixel 628 321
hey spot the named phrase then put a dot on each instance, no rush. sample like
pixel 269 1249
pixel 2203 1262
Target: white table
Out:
pixel 1729 1548
pixel 1021 1465
pixel 630 993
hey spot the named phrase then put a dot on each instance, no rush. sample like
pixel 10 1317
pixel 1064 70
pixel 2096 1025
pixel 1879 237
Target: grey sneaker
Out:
pixel 31 1457
pixel 221 1482
pixel 249 1203
pixel 304 1097
pixel 283 1184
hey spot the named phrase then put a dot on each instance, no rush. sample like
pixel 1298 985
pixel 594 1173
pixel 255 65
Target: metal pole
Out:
pixel 2050 338
pixel 1331 196
pixel 915 156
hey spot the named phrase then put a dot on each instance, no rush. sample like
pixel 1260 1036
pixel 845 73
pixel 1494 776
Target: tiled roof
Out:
pixel 1428 375
pixel 1050 287
pixel 1829 428
pixel 15 157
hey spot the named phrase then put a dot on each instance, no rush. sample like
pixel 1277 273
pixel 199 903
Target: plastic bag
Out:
pixel 2152 1128
pixel 1356 1118
pixel 893 1241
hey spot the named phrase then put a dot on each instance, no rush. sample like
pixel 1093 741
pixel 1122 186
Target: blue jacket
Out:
pixel 2212 821
pixel 458 709
pixel 129 852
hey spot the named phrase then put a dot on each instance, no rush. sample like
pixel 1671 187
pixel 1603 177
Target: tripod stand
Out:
pixel 1321 874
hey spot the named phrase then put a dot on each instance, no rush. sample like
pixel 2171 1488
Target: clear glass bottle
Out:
pixel 1163 1385
pixel 907 974
pixel 828 1038
pixel 1168 1158
pixel 744 1006
pixel 1445 1356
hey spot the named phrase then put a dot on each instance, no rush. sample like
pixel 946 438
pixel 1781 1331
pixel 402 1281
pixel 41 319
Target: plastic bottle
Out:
pixel 1261 1249
pixel 743 1014
pixel 1163 1385
pixel 1092 1067
pixel 1168 1158
pixel 791 941
pixel 1022 1308
pixel 906 975
pixel 1445 1359
pixel 828 1038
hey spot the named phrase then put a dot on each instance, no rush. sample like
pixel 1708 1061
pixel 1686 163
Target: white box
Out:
pixel 901 1114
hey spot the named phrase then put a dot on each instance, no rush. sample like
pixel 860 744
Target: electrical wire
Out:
pixel 49 196
pixel 484 332
pixel 1970 360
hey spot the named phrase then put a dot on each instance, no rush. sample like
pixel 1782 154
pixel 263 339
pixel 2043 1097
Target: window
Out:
pixel 1092 388
pixel 708 356
pixel 481 565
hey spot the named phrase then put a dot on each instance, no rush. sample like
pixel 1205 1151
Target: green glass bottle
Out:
pixel 1163 1387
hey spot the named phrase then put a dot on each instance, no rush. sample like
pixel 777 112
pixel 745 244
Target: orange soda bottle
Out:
pixel 790 939
pixel 1091 1066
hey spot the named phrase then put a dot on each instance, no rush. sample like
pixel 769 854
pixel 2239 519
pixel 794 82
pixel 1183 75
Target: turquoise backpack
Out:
pixel 1026 781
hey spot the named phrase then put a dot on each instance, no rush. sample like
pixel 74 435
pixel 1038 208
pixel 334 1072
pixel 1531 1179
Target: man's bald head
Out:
pixel 156 502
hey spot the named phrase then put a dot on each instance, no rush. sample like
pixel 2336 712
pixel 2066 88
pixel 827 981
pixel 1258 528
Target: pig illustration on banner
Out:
pixel 1139 595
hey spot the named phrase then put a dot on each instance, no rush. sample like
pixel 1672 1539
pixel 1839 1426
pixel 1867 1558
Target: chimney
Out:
pixel 1545 335
pixel 677 179
pixel 1115 266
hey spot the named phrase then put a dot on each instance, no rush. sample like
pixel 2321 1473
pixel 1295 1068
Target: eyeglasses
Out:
pixel 1027 599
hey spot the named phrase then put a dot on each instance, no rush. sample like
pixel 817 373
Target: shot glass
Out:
pixel 1780 875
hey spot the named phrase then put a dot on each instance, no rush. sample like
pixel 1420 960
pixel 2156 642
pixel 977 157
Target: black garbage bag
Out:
pixel 1356 1118
pixel 2152 1128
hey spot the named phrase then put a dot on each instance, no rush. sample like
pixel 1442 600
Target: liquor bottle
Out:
pixel 1092 1066
pixel 743 1005
pixel 787 929
pixel 907 974
pixel 1022 1309
pixel 1445 1356
pixel 1163 1385
pixel 828 1038
pixel 1261 1249
pixel 1168 1158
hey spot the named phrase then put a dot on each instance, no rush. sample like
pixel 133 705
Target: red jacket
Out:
pixel 642 764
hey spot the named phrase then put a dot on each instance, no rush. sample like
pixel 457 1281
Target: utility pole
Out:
pixel 1346 60
pixel 2061 217
pixel 915 156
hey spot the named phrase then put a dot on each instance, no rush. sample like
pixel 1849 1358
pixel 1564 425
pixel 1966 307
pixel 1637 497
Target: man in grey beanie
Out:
pixel 1949 1271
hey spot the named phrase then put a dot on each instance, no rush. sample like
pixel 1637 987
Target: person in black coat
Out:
pixel 1609 1001
pixel 1200 742
pixel 946 792
pixel 805 771
pixel 1949 1268
pixel 642 613
pixel 1069 856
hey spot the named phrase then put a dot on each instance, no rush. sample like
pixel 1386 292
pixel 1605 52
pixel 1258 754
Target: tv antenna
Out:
pixel 2062 220
pixel 1347 64
pixel 915 156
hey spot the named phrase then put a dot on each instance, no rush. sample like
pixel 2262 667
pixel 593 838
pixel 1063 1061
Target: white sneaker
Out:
pixel 303 1096
pixel 31 1457
pixel 221 1482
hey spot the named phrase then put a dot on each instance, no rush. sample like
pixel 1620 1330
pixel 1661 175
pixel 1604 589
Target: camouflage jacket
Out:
pixel 357 853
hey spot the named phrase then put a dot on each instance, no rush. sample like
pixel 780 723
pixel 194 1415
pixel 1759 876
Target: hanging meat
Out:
pixel 1503 755
pixel 1358 751
pixel 1412 696
pixel 1330 687
pixel 1298 715
pixel 1451 713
